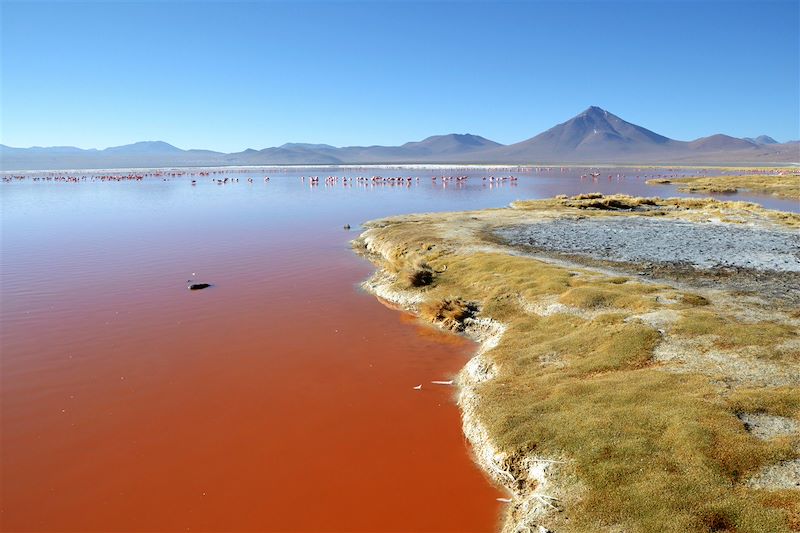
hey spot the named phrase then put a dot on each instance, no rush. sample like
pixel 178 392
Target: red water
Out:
pixel 283 416
pixel 279 399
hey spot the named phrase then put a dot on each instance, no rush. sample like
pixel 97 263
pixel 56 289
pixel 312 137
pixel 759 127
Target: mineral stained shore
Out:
pixel 639 359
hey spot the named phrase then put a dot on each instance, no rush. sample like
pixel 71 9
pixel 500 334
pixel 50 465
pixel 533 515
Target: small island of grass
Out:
pixel 781 183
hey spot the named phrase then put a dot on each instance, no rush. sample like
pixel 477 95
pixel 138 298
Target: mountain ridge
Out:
pixel 593 136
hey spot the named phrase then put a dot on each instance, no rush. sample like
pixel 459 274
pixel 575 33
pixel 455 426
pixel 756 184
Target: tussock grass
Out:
pixel 592 200
pixel 499 280
pixel 709 188
pixel 419 277
pixel 779 401
pixel 731 334
pixel 649 450
pixel 609 295
pixel 608 202
pixel 625 202
pixel 419 274
pixel 787 501
pixel 694 299
pixel 585 347
pixel 654 453
pixel 450 313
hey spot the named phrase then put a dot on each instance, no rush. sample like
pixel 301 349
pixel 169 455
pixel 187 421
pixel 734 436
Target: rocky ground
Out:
pixel 743 257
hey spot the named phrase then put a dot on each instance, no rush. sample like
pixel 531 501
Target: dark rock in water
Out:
pixel 347 226
pixel 198 286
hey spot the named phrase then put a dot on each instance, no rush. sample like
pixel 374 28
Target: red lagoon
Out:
pixel 280 398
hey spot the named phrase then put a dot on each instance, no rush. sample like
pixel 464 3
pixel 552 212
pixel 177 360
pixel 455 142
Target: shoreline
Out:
pixel 527 498
pixel 416 166
pixel 546 483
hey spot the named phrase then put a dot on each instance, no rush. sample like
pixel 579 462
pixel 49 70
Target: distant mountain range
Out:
pixel 593 136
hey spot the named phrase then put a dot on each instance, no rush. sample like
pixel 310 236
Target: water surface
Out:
pixel 279 399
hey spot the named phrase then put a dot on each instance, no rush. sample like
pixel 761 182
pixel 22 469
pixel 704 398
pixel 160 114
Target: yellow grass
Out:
pixel 646 450
pixel 763 338
pixel 449 312
pixel 596 204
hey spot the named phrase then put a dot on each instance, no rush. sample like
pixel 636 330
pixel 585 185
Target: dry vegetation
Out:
pixel 641 444
pixel 692 209
pixel 784 185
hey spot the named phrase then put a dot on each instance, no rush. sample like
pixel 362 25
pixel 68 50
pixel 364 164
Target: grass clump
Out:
pixel 606 295
pixel 711 188
pixel 611 202
pixel 419 277
pixel 419 274
pixel 694 299
pixel 731 334
pixel 449 312
pixel 778 401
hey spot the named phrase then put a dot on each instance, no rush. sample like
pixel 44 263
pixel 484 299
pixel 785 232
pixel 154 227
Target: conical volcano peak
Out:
pixel 592 134
pixel 594 111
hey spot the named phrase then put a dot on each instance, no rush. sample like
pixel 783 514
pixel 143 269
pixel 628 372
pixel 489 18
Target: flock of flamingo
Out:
pixel 216 176
pixel 399 180
pixel 130 176
pixel 87 176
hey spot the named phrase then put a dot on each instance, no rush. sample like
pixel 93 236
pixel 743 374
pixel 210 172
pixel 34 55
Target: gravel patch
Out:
pixel 696 355
pixel 784 475
pixel 765 427
pixel 745 259
pixel 641 239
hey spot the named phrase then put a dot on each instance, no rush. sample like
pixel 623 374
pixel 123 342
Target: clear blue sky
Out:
pixel 233 75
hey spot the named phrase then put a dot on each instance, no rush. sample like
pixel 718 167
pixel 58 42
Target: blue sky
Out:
pixel 233 75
